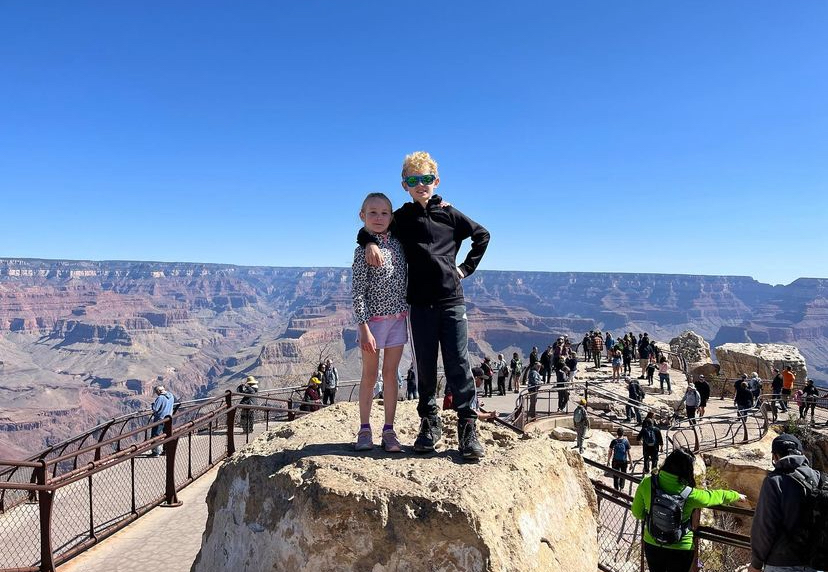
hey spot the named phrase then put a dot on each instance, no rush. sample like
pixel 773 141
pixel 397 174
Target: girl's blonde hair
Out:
pixel 419 162
pixel 376 196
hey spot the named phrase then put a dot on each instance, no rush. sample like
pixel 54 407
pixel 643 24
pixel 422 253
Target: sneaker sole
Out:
pixel 363 447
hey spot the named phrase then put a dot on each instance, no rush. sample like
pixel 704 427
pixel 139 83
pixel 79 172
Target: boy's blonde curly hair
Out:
pixel 419 162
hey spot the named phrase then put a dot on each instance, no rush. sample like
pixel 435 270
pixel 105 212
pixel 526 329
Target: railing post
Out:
pixel 231 422
pixel 291 414
pixel 695 518
pixel 101 438
pixel 170 496
pixel 45 502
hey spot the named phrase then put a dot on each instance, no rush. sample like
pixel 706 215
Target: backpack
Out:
pixel 579 416
pixel 619 449
pixel 330 379
pixel 815 517
pixel 648 436
pixel 504 370
pixel 664 520
pixel 517 366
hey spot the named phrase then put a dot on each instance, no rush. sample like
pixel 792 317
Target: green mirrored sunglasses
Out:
pixel 414 180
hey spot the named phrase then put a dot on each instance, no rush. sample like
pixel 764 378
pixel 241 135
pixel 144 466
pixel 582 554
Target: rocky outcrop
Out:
pixel 743 467
pixel 693 348
pixel 300 498
pixel 737 359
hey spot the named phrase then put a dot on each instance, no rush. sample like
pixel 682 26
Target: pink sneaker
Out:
pixel 365 441
pixel 390 442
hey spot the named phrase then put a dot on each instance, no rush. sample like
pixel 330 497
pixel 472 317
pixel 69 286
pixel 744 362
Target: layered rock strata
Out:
pixel 737 359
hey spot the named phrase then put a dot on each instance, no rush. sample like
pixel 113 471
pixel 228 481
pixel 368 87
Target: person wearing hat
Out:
pixel 312 400
pixel 580 419
pixel 777 541
pixel 162 407
pixel 247 388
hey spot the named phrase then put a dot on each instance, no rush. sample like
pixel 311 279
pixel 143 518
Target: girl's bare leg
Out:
pixel 390 363
pixel 370 366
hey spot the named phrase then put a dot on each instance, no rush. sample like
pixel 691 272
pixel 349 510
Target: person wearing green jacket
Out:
pixel 675 475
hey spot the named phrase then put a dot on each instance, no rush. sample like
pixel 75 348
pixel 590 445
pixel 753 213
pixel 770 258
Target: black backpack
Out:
pixel 664 520
pixel 815 517
pixel 648 436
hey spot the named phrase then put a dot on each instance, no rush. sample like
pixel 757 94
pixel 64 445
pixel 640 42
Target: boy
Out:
pixel 431 235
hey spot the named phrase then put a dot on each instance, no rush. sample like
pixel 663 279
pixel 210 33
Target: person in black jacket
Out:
pixel 431 234
pixel 703 387
pixel 778 538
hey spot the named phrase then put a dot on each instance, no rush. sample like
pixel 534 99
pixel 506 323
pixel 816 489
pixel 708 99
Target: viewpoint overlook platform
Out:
pixel 174 534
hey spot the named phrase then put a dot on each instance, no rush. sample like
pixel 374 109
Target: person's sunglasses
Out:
pixel 414 180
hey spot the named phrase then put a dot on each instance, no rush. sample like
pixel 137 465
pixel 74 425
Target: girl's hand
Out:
pixel 373 256
pixel 368 343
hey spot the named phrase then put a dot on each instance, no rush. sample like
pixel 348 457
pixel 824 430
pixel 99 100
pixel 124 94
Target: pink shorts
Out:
pixel 389 331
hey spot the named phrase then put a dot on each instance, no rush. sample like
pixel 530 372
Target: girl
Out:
pixel 675 476
pixel 381 311
pixel 664 374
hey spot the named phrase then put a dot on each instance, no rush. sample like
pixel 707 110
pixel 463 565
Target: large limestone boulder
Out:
pixel 736 359
pixel 693 348
pixel 300 499
pixel 744 467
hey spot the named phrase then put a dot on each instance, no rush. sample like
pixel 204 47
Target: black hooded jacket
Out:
pixel 777 537
pixel 431 238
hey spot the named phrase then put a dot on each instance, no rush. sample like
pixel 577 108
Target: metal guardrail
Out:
pixel 81 491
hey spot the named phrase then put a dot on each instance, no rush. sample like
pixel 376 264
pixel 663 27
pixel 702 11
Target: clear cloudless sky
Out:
pixel 670 137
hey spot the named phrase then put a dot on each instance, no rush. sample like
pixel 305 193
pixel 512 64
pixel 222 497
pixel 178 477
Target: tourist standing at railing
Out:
pixel 609 343
pixel 533 383
pixel 502 369
pixel 615 357
pixel 664 374
pixel 517 370
pixel 776 392
pixel 580 419
pixel 788 379
pixel 782 535
pixel 533 356
pixel 703 387
pixel 571 362
pixel 674 478
pixel 810 394
pixel 744 399
pixel 488 374
pixel 330 381
pixel 561 377
pixel 692 401
pixel 161 408
pixel 249 388
pixel 755 386
pixel 619 457
pixel 546 364
pixel 652 443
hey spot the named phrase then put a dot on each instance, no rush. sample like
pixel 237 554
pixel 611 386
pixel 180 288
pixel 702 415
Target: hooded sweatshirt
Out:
pixel 777 537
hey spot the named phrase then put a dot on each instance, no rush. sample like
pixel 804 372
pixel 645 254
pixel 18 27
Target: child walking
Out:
pixel 381 313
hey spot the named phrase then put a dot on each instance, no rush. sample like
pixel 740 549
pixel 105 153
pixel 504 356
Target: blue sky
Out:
pixel 677 137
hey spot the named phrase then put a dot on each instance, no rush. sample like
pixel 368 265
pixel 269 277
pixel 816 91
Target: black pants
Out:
pixel 487 387
pixel 445 329
pixel 666 559
pixel 618 482
pixel 328 396
pixel 691 414
pixel 597 358
pixel 650 455
pixel 411 392
pixel 501 386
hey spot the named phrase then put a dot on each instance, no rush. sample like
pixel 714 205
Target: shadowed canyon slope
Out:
pixel 84 341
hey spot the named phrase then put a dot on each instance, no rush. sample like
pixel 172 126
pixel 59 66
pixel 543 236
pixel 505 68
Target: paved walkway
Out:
pixel 165 539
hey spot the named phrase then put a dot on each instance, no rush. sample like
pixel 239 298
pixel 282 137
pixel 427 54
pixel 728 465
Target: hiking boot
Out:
pixel 470 447
pixel 365 440
pixel 431 431
pixel 390 442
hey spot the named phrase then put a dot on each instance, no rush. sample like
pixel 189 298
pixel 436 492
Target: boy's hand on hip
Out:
pixel 460 273
pixel 373 256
